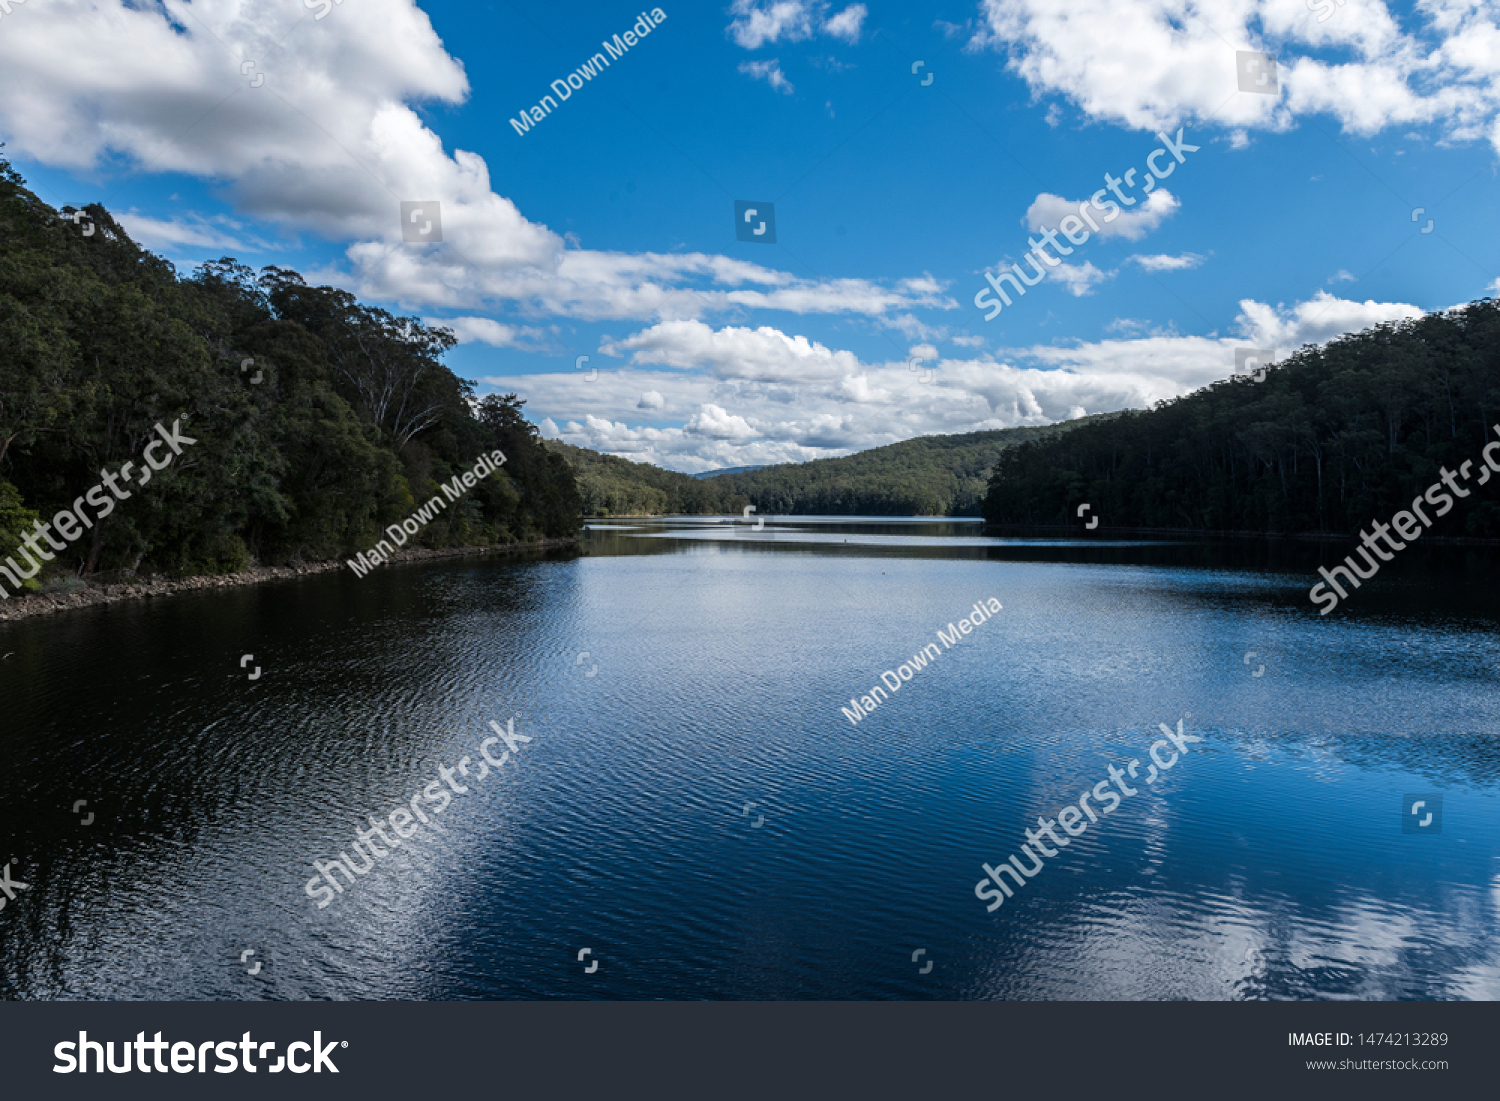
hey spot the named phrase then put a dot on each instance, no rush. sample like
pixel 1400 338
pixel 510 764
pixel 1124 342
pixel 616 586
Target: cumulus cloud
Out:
pixel 331 142
pixel 847 23
pixel 754 25
pixel 752 402
pixel 764 354
pixel 1146 64
pixel 1132 223
pixel 1313 322
pixel 651 399
pixel 758 24
pixel 770 72
pixel 327 142
pixel 719 424
pixel 739 423
pixel 484 330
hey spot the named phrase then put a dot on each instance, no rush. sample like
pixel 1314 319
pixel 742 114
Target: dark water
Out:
pixel 1269 863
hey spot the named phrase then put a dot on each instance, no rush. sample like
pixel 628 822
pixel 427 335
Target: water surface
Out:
pixel 695 809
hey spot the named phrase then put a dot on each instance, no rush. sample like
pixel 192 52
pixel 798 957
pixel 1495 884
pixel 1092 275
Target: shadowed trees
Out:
pixel 319 420
pixel 1332 438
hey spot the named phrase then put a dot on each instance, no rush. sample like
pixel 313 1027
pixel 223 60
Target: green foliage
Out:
pixel 927 476
pixel 612 486
pixel 1329 440
pixel 16 520
pixel 352 408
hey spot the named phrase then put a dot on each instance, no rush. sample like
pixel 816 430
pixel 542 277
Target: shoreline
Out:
pixel 37 604
pixel 1051 529
pixel 1302 536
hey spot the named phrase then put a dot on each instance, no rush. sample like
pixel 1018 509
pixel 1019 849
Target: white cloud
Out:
pixel 847 23
pixel 760 396
pixel 1313 322
pixel 327 142
pixel 764 354
pixel 192 231
pixel 1163 262
pixel 912 327
pixel 1148 64
pixel 330 142
pixel 1080 279
pixel 1342 276
pixel 596 286
pixel 770 72
pixel 1129 326
pixel 484 330
pixel 1132 223
pixel 756 24
pixel 922 359
pixel 719 424
pixel 651 399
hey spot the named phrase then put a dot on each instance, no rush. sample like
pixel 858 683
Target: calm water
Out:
pixel 681 670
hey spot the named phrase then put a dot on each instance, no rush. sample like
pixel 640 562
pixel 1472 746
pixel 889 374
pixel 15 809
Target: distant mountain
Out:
pixel 726 470
pixel 926 476
pixel 612 486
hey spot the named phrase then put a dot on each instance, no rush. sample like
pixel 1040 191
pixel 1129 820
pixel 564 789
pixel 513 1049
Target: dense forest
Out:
pixel 1329 440
pixel 316 420
pixel 612 486
pixel 927 476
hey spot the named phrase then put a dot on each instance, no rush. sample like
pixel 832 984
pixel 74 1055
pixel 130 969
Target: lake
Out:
pixel 697 812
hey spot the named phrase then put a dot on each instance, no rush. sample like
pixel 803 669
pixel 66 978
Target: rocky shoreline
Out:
pixel 34 604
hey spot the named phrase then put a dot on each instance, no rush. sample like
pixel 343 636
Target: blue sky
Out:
pixel 608 229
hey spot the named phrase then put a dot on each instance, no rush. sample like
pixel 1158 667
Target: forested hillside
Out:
pixel 612 486
pixel 927 476
pixel 316 420
pixel 1330 439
